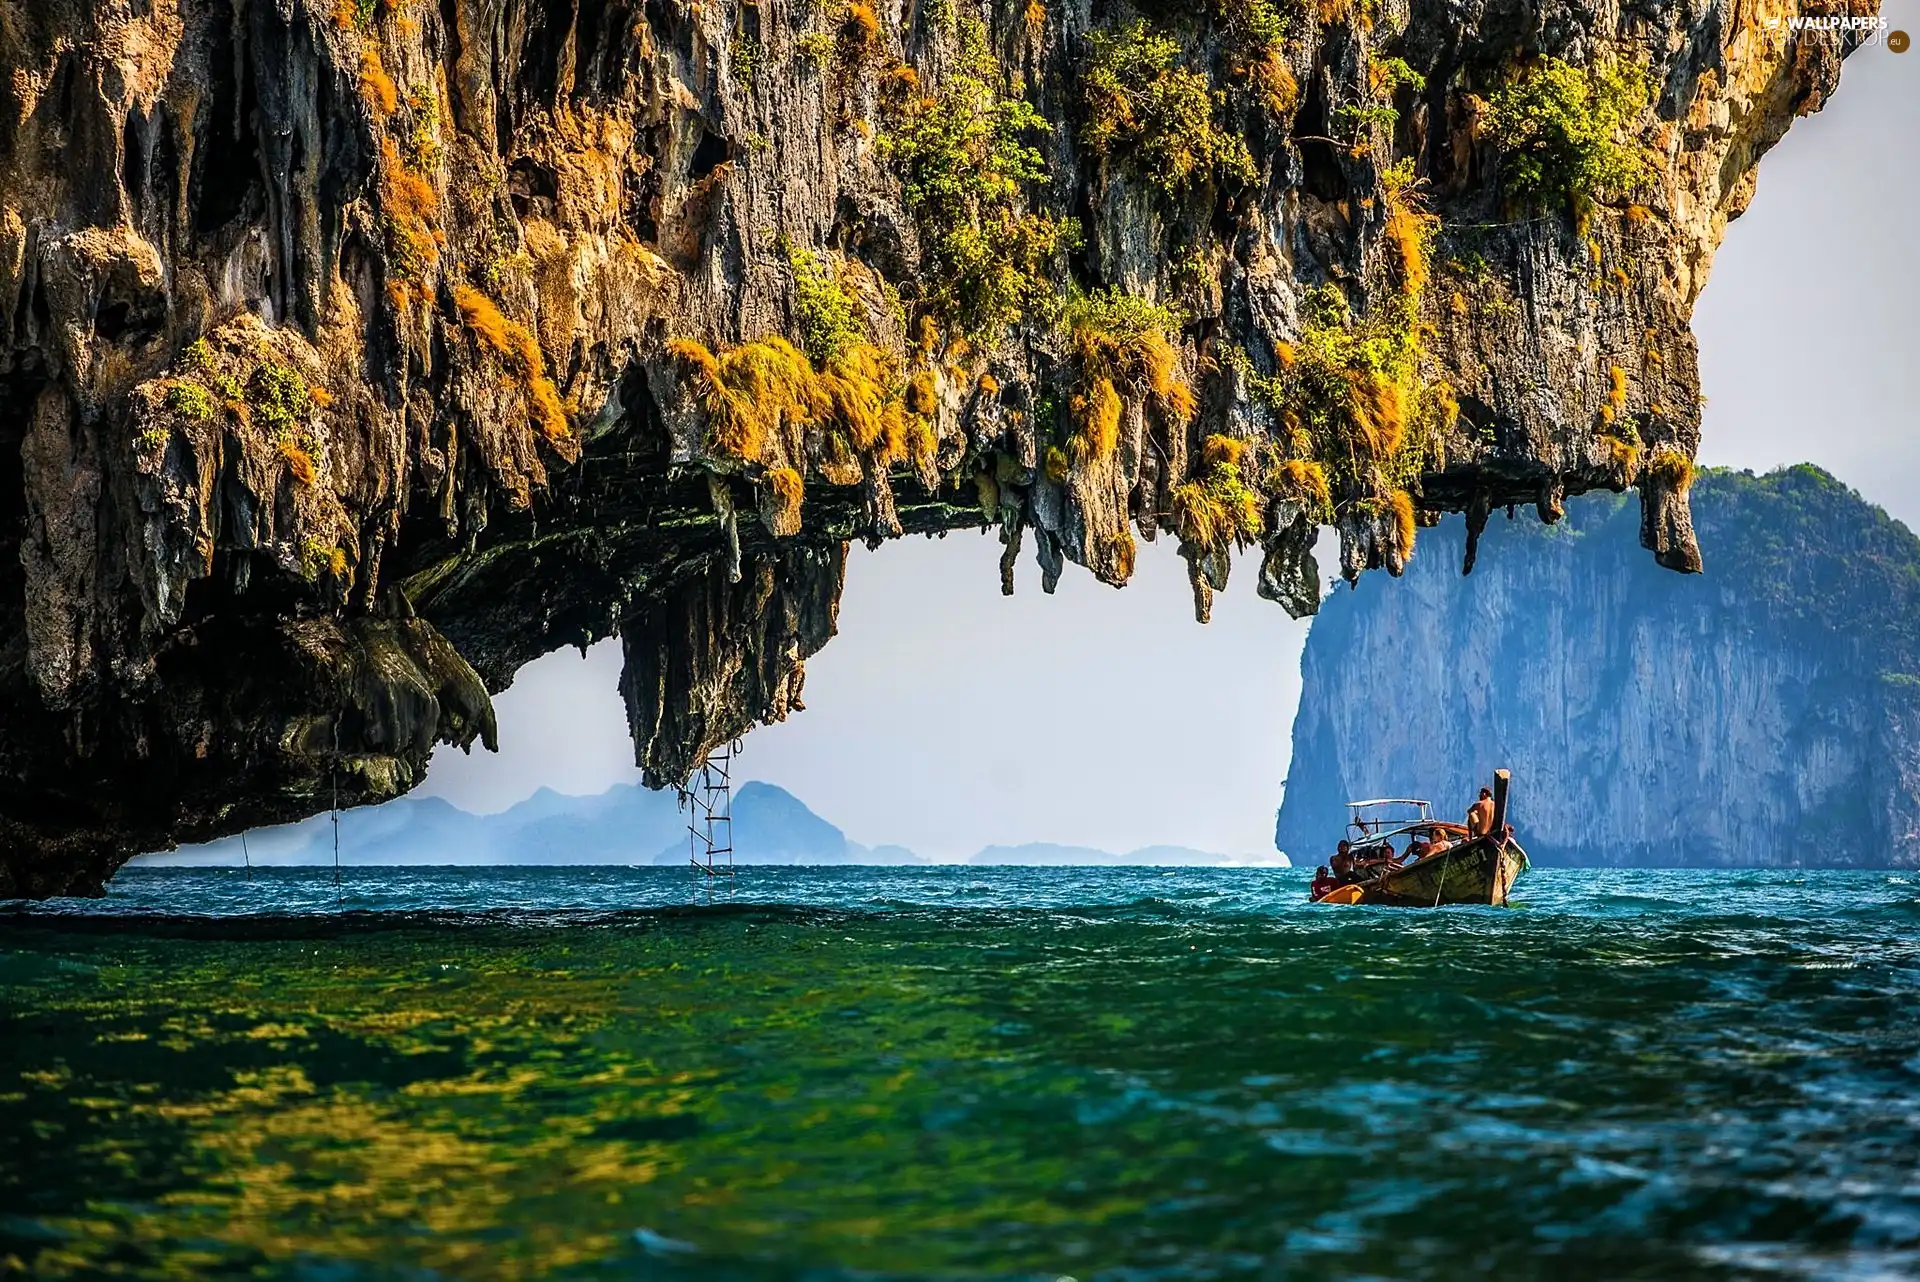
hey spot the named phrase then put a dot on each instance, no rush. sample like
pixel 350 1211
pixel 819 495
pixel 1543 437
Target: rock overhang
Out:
pixel 459 335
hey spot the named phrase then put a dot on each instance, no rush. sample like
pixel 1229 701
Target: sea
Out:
pixel 822 1075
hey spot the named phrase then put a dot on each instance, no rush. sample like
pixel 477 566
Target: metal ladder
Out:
pixel 708 799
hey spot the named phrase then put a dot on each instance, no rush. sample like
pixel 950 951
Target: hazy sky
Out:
pixel 946 717
pixel 1810 325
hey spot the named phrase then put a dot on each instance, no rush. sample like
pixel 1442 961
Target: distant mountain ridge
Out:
pixel 626 824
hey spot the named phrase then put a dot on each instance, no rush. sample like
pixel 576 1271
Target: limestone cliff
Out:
pixel 1766 712
pixel 355 352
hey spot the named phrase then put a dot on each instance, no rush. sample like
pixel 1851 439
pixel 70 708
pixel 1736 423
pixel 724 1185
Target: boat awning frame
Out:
pixel 1415 827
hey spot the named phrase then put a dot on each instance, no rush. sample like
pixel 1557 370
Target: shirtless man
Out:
pixel 1480 815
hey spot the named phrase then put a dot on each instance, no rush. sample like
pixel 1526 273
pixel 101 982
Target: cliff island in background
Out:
pixel 1763 714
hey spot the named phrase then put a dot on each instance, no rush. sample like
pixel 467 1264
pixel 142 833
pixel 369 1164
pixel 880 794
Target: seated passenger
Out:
pixel 1422 846
pixel 1323 881
pixel 1342 861
pixel 1441 842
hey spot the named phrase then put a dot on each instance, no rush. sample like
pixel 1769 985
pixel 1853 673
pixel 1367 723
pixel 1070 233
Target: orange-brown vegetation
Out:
pixel 1096 418
pixel 1117 342
pixel 1616 394
pixel 1405 527
pixel 923 393
pixel 900 82
pixel 376 86
pixel 1671 466
pixel 515 344
pixel 759 392
pixel 1303 481
pixel 1624 455
pixel 1279 91
pixel 1217 507
pixel 299 462
pixel 860 34
pixel 1409 232
pixel 412 208
pixel 789 491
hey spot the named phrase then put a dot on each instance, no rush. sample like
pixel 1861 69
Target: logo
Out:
pixel 1869 31
pixel 1806 22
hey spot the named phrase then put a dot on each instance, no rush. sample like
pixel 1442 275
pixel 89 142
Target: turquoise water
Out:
pixel 959 1073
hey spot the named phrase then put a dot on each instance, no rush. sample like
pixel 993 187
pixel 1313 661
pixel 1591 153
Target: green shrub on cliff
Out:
pixel 1116 313
pixel 1567 132
pixel 1351 399
pixel 963 156
pixel 828 316
pixel 1253 33
pixel 1146 110
pixel 280 399
pixel 1252 23
pixel 814 49
pixel 190 401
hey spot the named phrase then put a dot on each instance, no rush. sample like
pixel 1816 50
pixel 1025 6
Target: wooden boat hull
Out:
pixel 1476 872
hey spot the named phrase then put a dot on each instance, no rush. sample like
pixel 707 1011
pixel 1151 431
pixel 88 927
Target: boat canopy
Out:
pixel 1388 816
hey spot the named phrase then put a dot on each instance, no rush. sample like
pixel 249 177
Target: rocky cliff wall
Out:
pixel 1763 713
pixel 458 332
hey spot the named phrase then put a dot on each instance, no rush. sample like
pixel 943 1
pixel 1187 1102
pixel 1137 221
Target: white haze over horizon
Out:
pixel 946 718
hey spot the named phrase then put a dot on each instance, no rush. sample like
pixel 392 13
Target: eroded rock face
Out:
pixel 336 379
pixel 322 707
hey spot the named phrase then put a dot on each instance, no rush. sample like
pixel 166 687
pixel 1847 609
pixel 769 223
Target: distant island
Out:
pixel 626 824
pixel 1766 712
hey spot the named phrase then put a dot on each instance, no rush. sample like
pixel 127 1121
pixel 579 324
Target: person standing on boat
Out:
pixel 1480 815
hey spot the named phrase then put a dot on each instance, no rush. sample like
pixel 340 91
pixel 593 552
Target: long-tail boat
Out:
pixel 1471 870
